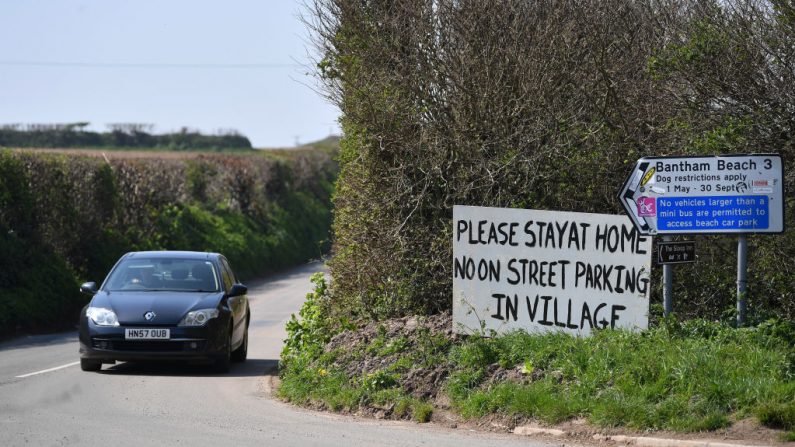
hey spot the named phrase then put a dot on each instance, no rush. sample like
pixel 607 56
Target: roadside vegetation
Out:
pixel 687 376
pixel 65 219
pixel 544 105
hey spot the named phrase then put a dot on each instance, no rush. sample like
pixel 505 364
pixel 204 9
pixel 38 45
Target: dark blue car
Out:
pixel 166 305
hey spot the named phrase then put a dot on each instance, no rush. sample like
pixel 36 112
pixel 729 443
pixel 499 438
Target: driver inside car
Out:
pixel 140 277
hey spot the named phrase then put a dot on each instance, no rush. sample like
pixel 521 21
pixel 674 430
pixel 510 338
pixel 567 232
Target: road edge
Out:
pixel 641 441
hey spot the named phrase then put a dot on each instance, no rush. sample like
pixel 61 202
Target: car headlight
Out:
pixel 198 317
pixel 102 317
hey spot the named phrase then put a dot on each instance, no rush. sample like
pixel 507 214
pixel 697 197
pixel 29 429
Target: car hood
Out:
pixel 169 307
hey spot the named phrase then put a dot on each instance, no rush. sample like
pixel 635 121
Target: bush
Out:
pixel 312 331
pixel 781 415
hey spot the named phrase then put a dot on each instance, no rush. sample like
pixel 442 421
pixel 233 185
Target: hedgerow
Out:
pixel 544 105
pixel 67 219
pixel 120 136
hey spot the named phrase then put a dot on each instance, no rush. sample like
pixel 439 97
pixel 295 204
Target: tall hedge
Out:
pixel 67 219
pixel 543 104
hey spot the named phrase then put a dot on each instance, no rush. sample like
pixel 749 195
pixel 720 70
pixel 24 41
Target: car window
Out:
pixel 231 272
pixel 138 274
pixel 226 275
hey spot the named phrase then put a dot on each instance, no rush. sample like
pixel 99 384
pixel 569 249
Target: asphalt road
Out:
pixel 45 400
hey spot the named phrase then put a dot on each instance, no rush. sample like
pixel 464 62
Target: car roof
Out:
pixel 172 254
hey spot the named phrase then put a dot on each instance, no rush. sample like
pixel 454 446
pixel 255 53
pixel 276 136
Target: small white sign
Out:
pixel 545 271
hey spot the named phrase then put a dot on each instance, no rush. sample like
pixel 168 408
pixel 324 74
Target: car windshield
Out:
pixel 168 274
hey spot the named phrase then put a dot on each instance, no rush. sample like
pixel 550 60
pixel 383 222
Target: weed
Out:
pixel 422 411
pixel 788 436
pixel 395 346
pixel 402 364
pixel 779 415
pixel 312 330
pixel 709 422
pixel 403 406
pixel 378 380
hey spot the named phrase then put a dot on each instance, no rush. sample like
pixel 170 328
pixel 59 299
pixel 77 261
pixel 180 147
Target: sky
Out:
pixel 206 65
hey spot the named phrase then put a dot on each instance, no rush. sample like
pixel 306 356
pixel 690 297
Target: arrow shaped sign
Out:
pixel 634 201
pixel 738 193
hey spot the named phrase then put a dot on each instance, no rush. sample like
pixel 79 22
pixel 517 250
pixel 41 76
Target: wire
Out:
pixel 142 65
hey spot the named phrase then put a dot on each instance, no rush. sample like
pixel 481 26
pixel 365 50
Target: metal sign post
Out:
pixel 668 254
pixel 727 194
pixel 668 285
pixel 742 278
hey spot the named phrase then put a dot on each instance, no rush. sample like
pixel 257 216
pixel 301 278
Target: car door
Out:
pixel 237 304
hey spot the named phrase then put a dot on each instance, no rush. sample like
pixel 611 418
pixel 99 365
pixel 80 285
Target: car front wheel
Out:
pixel 240 354
pixel 222 363
pixel 90 365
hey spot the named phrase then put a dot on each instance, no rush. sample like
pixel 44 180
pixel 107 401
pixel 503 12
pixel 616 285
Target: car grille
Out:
pixel 148 345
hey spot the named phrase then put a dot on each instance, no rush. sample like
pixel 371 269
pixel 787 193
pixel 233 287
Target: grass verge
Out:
pixel 685 377
pixel 692 377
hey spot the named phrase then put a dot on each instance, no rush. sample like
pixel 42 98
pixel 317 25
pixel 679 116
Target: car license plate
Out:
pixel 147 334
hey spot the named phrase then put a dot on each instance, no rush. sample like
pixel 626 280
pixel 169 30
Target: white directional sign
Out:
pixel 545 271
pixel 718 194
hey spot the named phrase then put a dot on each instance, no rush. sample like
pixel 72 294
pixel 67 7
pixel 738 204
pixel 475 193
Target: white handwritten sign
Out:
pixel 545 271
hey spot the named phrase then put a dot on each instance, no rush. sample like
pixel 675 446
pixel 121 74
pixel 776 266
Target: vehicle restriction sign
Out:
pixel 717 194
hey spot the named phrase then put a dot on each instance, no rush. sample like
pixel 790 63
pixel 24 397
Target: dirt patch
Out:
pixel 379 345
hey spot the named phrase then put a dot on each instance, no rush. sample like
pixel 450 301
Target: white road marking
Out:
pixel 48 370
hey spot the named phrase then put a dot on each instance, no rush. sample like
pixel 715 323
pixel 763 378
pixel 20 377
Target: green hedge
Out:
pixel 67 219
pixel 545 105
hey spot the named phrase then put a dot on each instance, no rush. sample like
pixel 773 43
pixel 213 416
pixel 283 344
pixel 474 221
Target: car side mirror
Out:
pixel 89 288
pixel 237 290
